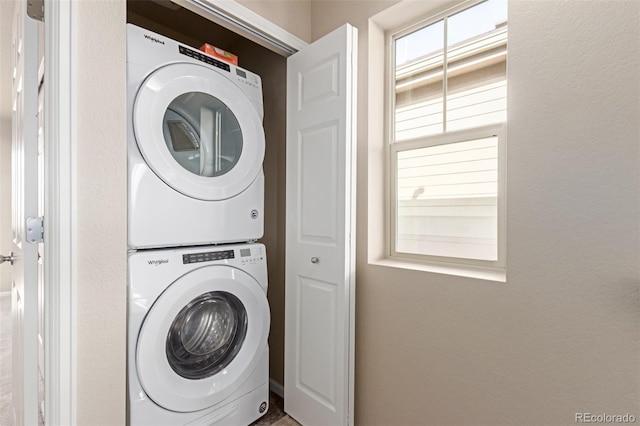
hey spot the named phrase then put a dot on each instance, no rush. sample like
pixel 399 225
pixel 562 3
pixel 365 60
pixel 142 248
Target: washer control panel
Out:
pixel 208 256
pixel 246 255
pixel 251 255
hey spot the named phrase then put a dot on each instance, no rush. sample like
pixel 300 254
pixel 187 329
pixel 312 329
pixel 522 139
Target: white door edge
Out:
pixel 352 229
pixel 60 194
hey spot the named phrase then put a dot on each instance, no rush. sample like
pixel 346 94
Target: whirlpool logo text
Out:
pixel 158 262
pixel 153 39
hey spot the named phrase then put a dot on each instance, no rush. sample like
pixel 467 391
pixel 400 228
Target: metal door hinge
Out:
pixel 35 9
pixel 35 230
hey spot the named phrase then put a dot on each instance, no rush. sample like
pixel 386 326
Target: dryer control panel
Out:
pixel 153 51
pixel 236 73
pixel 204 58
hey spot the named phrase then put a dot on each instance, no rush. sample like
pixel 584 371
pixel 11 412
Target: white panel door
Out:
pixel 40 256
pixel 320 266
pixel 24 201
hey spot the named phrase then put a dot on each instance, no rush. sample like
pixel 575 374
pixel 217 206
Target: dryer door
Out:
pixel 202 338
pixel 198 131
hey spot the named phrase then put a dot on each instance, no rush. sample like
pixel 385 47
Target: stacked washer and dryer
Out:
pixel 198 317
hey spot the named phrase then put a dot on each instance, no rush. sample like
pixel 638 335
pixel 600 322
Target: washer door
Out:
pixel 198 131
pixel 202 338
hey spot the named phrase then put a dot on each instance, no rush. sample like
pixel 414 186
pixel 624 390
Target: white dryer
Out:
pixel 198 323
pixel 195 146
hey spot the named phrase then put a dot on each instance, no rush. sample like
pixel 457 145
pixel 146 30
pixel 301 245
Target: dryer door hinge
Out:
pixel 35 230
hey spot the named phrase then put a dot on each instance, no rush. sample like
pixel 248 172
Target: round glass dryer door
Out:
pixel 198 131
pixel 202 338
pixel 202 134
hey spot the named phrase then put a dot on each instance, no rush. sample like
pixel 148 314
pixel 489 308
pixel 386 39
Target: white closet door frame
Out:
pixel 60 192
pixel 247 23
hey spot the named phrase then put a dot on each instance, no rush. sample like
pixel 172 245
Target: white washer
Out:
pixel 198 324
pixel 195 146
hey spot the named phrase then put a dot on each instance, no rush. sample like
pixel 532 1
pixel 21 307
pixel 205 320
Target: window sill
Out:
pixel 479 273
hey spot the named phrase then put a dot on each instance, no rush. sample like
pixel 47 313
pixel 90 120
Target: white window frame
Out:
pixel 444 138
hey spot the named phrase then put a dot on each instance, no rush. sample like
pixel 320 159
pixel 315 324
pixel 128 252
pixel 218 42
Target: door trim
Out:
pixel 242 20
pixel 59 233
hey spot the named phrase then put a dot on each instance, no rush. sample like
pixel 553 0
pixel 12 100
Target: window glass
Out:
pixel 479 20
pixel 449 96
pixel 422 43
pixel 476 89
pixel 418 87
pixel 447 200
pixel 462 86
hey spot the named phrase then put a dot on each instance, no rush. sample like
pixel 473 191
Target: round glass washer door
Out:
pixel 198 131
pixel 202 338
pixel 206 335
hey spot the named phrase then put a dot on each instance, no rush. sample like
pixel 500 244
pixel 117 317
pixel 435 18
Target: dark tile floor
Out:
pixel 275 412
pixel 275 415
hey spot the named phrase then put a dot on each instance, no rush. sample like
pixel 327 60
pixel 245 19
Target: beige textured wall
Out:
pixel 561 336
pixel 292 15
pixel 273 71
pixel 101 213
pixel 272 68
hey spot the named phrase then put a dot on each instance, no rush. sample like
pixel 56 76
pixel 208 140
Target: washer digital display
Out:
pixel 207 256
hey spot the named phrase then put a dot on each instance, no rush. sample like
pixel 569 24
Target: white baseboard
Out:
pixel 276 388
pixel 5 293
